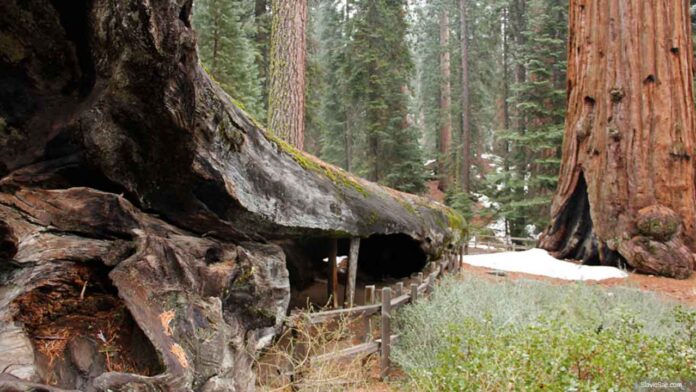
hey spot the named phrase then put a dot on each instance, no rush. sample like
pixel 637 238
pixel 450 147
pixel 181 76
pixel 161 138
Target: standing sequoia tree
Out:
pixel 286 95
pixel 626 188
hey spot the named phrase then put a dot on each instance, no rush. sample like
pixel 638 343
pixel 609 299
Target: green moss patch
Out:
pixel 307 162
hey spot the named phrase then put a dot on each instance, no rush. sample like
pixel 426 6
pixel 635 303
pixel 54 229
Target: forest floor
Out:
pixel 683 291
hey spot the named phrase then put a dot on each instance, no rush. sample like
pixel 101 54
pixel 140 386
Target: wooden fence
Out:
pixel 505 244
pixel 389 299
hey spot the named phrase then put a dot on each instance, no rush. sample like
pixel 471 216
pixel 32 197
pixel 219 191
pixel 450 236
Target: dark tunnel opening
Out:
pixel 382 260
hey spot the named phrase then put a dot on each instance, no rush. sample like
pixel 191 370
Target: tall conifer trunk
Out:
pixel 626 188
pixel 445 101
pixel 464 76
pixel 286 96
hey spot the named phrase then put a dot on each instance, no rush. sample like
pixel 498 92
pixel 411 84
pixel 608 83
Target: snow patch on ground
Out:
pixel 539 262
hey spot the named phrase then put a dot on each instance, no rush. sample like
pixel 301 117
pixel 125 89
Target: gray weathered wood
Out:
pixel 350 352
pixel 352 272
pixel 414 292
pixel 400 300
pixel 367 320
pixel 369 294
pixel 385 332
pixel 398 289
pixel 358 311
pixel 332 286
pixel 431 283
pixel 420 278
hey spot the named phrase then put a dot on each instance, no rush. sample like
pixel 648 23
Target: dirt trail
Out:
pixel 680 290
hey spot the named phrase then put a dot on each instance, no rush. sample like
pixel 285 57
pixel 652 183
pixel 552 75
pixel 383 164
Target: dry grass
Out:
pixel 287 364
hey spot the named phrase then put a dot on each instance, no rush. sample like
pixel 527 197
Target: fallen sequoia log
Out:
pixel 141 211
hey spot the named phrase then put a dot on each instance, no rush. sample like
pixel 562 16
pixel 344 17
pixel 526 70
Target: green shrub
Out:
pixel 482 335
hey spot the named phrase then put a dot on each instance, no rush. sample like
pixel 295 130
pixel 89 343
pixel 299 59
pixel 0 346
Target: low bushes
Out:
pixel 475 334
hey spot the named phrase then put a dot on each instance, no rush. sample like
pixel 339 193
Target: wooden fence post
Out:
pixel 399 289
pixel 332 280
pixel 420 278
pixel 386 332
pixel 367 320
pixel 369 295
pixel 349 299
pixel 431 283
pixel 414 292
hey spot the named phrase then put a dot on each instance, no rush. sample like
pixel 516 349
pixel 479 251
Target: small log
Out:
pixel 385 332
pixel 420 278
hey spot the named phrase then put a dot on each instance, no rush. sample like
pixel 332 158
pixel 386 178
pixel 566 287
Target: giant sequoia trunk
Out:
pixel 626 189
pixel 140 210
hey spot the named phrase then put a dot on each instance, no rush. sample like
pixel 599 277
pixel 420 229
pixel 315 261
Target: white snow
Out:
pixel 539 262
pixel 339 259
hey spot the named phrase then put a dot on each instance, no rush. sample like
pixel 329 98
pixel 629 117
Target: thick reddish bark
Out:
pixel 286 96
pixel 626 189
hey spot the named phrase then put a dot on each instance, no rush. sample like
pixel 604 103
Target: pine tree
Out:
pixel 534 52
pixel 381 69
pixel 336 135
pixel 227 52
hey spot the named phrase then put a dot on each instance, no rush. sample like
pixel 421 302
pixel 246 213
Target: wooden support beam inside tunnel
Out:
pixel 349 297
pixel 332 279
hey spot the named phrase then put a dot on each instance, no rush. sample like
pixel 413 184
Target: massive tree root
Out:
pixel 139 208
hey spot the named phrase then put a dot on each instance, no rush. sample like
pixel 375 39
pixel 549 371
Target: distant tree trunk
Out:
pixel 216 41
pixel 464 76
pixel 445 101
pixel 348 127
pixel 626 188
pixel 260 17
pixel 286 96
pixel 517 22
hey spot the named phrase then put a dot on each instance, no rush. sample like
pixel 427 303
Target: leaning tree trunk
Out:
pixel 626 190
pixel 286 95
pixel 146 223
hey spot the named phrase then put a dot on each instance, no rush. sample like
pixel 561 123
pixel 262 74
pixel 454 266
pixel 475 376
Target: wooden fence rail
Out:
pixel 501 243
pixel 390 299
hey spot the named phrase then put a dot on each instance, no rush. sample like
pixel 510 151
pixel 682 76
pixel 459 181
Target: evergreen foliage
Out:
pixel 524 185
pixel 381 73
pixel 227 52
